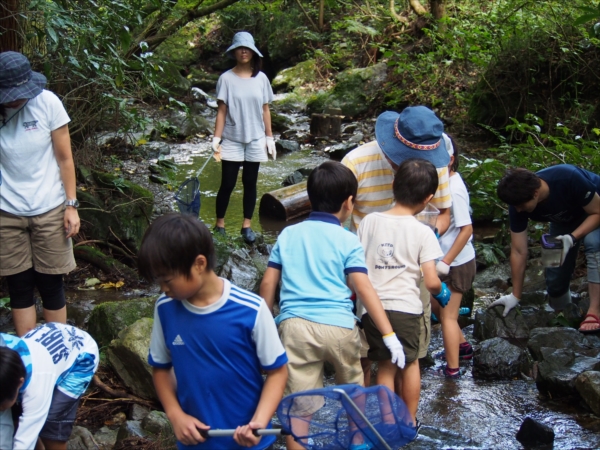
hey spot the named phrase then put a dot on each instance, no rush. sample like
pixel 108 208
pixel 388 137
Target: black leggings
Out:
pixel 50 287
pixel 229 174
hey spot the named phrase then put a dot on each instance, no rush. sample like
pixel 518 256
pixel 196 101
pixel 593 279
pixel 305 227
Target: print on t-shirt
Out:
pixel 31 125
pixel 385 252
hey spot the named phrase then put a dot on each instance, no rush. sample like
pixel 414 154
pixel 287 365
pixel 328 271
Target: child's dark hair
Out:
pixel 518 186
pixel 415 180
pixel 456 154
pixel 171 245
pixel 329 186
pixel 12 370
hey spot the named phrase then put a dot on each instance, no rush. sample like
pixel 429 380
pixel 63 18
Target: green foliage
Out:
pixel 5 302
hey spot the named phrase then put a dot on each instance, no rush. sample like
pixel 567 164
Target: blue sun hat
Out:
pixel 414 133
pixel 17 80
pixel 242 39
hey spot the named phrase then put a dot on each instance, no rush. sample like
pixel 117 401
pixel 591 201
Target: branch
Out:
pixel 395 15
pixel 417 7
pixel 118 394
pixel 307 16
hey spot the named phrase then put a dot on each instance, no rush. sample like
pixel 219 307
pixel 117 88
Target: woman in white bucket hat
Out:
pixel 38 205
pixel 243 135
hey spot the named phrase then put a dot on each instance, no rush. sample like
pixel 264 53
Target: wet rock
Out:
pixel 557 373
pixel 128 355
pixel 533 432
pixel 357 138
pixel 202 80
pixel 106 438
pixel 293 77
pixel 561 338
pixel 138 412
pixel 498 359
pixel 81 439
pixel 294 178
pixel 241 271
pixel 588 386
pixel 108 319
pixel 158 179
pixel 279 122
pixel 157 424
pixel 490 323
pixel 187 125
pixel 153 150
pixel 338 151
pixel 131 428
pixel 284 146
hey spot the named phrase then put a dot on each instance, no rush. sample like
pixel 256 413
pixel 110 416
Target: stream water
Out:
pixel 461 414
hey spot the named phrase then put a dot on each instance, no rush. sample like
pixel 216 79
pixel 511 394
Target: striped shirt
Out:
pixel 375 178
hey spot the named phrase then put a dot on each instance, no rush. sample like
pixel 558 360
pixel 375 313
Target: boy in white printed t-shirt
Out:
pixel 397 249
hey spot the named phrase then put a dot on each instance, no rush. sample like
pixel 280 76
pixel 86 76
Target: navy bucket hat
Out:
pixel 17 80
pixel 242 39
pixel 414 133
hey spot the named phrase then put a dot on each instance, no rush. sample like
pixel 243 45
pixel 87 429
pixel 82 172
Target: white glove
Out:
pixel 442 268
pixel 396 349
pixel 216 144
pixel 271 147
pixel 508 301
pixel 567 240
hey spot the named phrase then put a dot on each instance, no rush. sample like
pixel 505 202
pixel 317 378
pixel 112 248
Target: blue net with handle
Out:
pixel 324 419
pixel 188 197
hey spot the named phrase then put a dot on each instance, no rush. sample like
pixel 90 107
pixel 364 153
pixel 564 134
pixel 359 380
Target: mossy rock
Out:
pixel 108 319
pixel 114 206
pixel 202 79
pixel 182 48
pixel 293 77
pixel 279 122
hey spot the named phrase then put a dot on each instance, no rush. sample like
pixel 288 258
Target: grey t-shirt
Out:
pixel 244 98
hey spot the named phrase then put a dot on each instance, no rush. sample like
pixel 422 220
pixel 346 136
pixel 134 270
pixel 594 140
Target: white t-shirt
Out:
pixel 31 183
pixel 244 98
pixel 395 247
pixel 459 217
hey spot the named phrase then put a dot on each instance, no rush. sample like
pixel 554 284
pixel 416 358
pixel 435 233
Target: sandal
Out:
pixel 594 319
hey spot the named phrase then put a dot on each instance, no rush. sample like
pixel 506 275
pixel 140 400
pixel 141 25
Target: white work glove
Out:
pixel 508 301
pixel 271 147
pixel 442 268
pixel 216 146
pixel 568 241
pixel 396 349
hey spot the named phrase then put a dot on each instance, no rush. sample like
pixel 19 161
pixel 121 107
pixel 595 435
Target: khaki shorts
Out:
pixel 308 345
pixel 460 278
pixel 36 241
pixel 405 325
pixel 424 329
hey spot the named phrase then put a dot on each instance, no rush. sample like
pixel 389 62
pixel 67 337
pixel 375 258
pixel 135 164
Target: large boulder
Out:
pixel 241 271
pixel 588 386
pixel 159 427
pixel 558 372
pixel 113 206
pixel 293 77
pixel 128 355
pixel 561 338
pixel 498 359
pixel 354 92
pixel 490 323
pixel 108 319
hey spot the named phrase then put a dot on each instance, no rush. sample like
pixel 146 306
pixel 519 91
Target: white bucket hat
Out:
pixel 242 39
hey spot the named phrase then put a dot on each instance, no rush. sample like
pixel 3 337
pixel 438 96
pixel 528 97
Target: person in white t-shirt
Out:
pixel 457 269
pixel 46 372
pixel 38 205
pixel 398 249
pixel 243 135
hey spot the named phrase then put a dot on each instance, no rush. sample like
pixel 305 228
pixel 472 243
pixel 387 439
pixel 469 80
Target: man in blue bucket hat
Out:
pixel 416 132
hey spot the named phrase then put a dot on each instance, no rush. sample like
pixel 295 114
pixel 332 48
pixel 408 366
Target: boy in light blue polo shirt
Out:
pixel 316 260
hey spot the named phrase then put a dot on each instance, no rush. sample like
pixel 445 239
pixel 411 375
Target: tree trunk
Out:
pixel 417 7
pixel 9 26
pixel 285 203
pixel 321 14
pixel 438 9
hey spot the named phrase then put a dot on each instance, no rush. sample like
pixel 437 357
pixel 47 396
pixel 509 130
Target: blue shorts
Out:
pixel 61 417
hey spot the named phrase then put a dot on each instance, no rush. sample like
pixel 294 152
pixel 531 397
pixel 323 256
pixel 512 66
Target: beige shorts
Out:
pixel 36 241
pixel 425 328
pixel 308 345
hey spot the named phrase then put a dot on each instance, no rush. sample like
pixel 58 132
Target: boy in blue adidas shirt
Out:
pixel 315 260
pixel 209 342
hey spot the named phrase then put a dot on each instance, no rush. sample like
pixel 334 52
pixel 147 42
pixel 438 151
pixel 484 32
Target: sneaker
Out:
pixel 248 235
pixel 219 230
pixel 447 373
pixel 464 353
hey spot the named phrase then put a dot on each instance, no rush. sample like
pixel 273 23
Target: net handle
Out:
pixel 363 417
pixel 206 162
pixel 259 432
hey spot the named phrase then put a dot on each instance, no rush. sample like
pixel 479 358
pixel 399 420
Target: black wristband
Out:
pixel 573 238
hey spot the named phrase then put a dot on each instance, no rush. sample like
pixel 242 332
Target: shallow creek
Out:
pixel 461 414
